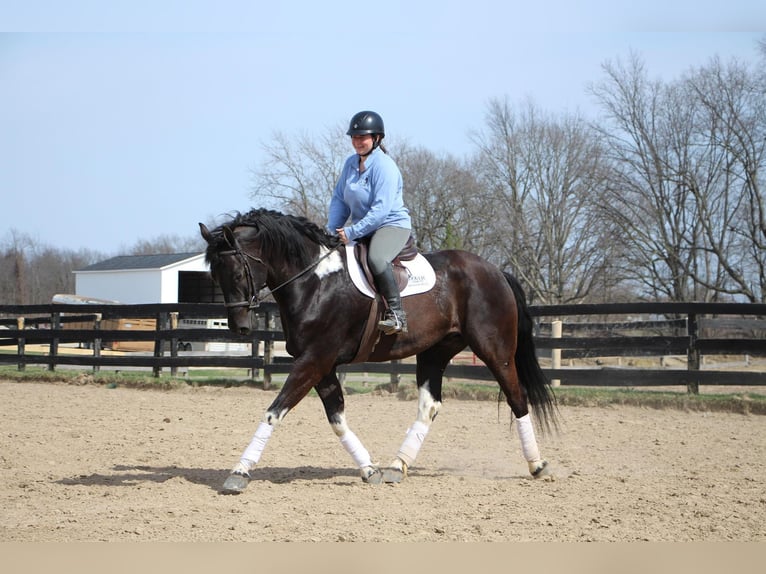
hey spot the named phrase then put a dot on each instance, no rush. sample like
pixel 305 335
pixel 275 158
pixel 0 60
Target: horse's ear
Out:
pixel 228 234
pixel 206 235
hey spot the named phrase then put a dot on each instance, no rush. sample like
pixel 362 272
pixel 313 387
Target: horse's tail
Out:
pixel 534 381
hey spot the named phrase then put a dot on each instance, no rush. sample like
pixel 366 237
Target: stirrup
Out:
pixel 393 323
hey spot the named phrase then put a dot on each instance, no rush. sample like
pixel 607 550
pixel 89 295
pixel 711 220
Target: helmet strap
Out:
pixel 375 143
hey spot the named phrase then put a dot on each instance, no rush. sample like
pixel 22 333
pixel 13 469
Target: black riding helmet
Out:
pixel 367 122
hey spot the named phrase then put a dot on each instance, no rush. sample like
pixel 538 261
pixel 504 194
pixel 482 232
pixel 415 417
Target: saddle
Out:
pixel 408 253
pixel 371 334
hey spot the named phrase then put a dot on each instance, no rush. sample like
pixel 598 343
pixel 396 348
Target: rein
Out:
pixel 252 302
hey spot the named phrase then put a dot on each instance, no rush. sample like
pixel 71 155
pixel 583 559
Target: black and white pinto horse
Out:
pixel 471 304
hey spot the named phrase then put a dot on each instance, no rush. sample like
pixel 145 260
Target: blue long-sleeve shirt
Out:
pixel 372 198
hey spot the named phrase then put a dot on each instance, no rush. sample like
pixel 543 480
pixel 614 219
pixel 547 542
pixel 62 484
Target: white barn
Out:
pixel 133 279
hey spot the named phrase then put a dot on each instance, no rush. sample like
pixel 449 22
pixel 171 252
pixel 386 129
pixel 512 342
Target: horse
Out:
pixel 472 304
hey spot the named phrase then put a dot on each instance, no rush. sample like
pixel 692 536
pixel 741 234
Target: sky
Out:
pixel 126 121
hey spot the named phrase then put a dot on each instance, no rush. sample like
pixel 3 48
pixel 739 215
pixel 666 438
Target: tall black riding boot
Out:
pixel 394 319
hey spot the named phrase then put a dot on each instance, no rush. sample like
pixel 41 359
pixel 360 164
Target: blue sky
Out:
pixel 126 121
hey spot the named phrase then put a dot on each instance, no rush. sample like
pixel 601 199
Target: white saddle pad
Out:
pixel 421 275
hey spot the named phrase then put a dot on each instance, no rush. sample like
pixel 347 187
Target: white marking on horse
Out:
pixel 274 418
pixel 339 426
pixel 428 408
pixel 329 264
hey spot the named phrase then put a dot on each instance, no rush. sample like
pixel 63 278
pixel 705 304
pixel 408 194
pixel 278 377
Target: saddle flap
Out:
pixel 408 253
pixel 418 275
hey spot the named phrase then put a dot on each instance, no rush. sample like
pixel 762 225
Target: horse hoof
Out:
pixel 541 471
pixel 373 477
pixel 235 484
pixel 392 475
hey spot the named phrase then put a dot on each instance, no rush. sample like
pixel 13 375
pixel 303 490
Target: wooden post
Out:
pixel 692 355
pixel 162 323
pixel 254 371
pixel 21 344
pixel 556 328
pixel 395 376
pixel 268 348
pixel 54 344
pixel 174 342
pixel 97 341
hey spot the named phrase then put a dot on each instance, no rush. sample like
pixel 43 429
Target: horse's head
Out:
pixel 240 274
pixel 289 244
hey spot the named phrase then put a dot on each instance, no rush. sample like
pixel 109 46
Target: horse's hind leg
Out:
pixel 331 393
pixel 508 378
pixel 430 369
pixel 538 467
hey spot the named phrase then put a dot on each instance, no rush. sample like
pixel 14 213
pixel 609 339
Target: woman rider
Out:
pixel 367 202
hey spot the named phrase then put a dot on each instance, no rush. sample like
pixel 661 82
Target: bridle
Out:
pixel 252 301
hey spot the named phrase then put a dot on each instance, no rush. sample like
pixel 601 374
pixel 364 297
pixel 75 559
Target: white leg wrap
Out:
pixel 356 449
pixel 408 452
pixel 528 441
pixel 253 452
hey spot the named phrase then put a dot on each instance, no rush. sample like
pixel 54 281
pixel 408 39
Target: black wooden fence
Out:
pixel 693 330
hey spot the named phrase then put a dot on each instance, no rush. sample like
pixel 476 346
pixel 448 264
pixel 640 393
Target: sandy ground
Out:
pixel 88 463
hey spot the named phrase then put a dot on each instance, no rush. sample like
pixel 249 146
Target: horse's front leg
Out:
pixel 331 393
pixel 302 377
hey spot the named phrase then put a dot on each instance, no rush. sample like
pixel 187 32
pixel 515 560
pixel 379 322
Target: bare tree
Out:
pixel 685 189
pixel 545 177
pixel 645 201
pixel 299 173
pixel 445 200
pixel 165 244
pixel 728 186
pixel 14 268
pixel 31 273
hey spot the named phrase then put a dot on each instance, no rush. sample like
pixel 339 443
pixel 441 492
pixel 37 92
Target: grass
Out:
pixel 745 403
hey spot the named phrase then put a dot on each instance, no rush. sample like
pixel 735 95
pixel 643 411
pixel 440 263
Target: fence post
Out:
pixel 692 355
pixel 54 344
pixel 556 328
pixel 162 323
pixel 97 340
pixel 174 342
pixel 21 344
pixel 268 350
pixel 395 376
pixel 254 348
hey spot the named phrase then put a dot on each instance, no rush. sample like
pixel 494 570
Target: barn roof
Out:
pixel 127 262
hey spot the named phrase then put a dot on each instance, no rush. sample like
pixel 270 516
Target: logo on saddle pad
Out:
pixel 420 274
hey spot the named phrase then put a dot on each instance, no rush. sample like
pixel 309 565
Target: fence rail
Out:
pixel 693 330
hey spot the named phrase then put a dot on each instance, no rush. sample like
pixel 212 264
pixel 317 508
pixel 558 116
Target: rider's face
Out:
pixel 362 143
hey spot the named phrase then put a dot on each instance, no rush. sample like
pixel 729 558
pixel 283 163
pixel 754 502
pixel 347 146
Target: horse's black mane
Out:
pixel 277 234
